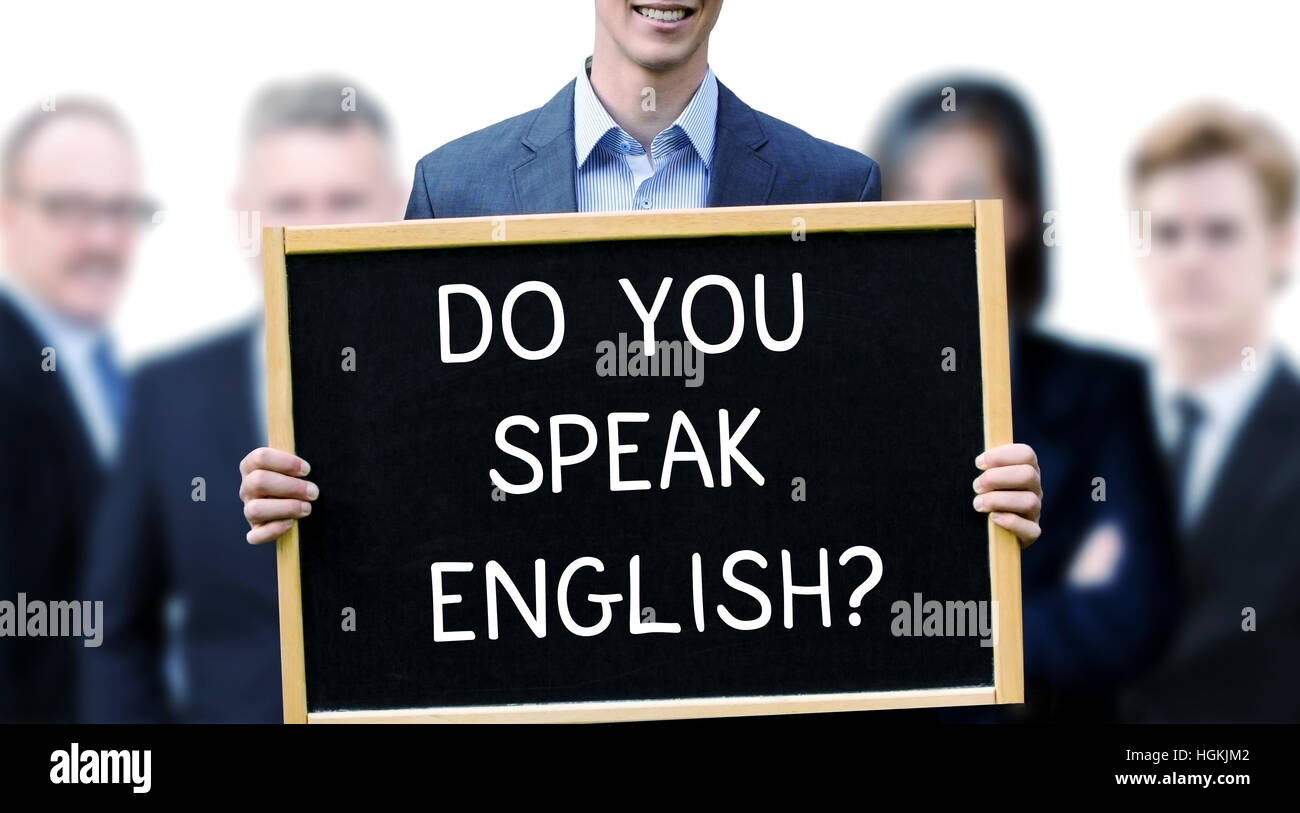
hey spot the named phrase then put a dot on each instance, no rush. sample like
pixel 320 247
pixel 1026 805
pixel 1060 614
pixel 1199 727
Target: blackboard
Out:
pixel 413 589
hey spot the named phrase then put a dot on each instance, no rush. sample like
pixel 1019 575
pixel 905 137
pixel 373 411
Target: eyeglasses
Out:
pixel 79 210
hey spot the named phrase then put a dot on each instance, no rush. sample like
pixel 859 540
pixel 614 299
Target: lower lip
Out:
pixel 661 25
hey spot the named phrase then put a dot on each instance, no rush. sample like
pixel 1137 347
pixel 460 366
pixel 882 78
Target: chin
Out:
pixel 1196 329
pixel 94 308
pixel 660 58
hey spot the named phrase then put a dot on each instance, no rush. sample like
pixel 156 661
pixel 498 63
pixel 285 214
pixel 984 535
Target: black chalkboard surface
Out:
pixel 529 517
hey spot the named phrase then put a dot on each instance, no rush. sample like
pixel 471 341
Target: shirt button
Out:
pixel 645 203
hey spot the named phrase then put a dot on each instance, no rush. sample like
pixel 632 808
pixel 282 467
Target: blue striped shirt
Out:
pixel 615 174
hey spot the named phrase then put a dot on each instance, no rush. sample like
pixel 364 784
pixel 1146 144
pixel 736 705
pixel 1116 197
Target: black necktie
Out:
pixel 1189 416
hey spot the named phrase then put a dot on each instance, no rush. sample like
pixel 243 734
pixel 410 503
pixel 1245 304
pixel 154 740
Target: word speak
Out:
pixel 728 442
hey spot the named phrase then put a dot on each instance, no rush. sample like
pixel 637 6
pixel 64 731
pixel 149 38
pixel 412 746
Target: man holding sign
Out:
pixel 645 125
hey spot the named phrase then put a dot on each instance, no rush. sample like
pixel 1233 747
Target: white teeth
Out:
pixel 662 15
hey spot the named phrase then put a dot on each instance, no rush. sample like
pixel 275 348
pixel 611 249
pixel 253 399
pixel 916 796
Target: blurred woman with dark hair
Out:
pixel 1097 587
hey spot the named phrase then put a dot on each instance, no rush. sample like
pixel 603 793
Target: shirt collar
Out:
pixel 592 122
pixel 61 332
pixel 1225 399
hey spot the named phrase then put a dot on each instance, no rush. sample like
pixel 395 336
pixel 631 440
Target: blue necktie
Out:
pixel 112 384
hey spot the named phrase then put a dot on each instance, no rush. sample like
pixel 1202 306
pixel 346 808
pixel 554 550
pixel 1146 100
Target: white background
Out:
pixel 1096 74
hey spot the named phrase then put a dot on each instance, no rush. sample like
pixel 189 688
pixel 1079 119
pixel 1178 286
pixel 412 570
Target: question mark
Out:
pixel 877 570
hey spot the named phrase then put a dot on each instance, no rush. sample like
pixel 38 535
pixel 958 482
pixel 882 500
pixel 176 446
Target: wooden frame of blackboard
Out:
pixel 984 216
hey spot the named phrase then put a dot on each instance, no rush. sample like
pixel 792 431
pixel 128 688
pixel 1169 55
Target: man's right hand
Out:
pixel 274 492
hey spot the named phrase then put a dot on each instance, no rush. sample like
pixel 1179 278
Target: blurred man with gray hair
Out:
pixel 178 590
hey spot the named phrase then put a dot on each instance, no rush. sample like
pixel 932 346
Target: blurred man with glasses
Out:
pixel 70 213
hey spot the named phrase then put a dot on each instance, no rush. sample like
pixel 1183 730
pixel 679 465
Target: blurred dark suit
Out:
pixel 193 415
pixel 1243 550
pixel 50 479
pixel 1086 413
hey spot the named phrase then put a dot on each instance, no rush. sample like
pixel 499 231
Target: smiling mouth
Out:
pixel 663 15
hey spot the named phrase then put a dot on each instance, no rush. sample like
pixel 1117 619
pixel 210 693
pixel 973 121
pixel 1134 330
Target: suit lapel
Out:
pixel 1041 407
pixel 738 175
pixel 237 390
pixel 544 181
pixel 48 390
pixel 1257 452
